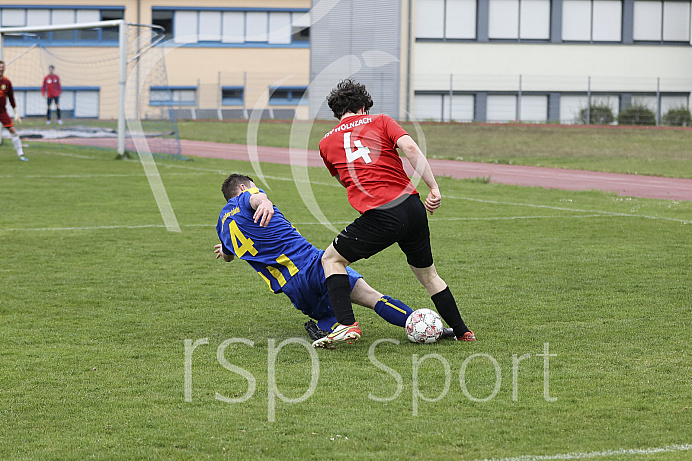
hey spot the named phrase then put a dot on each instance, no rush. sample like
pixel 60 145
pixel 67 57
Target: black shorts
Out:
pixel 56 99
pixel 404 223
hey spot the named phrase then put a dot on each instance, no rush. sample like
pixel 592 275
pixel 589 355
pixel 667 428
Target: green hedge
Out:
pixel 637 114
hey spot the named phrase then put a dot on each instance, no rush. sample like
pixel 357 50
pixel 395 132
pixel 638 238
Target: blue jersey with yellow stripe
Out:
pixel 277 252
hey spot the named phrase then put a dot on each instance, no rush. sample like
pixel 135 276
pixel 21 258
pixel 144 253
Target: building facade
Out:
pixel 538 60
pixel 223 58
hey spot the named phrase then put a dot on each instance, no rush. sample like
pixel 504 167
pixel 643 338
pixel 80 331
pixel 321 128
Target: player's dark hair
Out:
pixel 51 67
pixel 348 96
pixel 231 185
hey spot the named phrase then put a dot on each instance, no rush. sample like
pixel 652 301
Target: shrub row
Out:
pixel 637 114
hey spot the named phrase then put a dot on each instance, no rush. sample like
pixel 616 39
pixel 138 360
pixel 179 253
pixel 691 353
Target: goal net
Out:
pixel 113 79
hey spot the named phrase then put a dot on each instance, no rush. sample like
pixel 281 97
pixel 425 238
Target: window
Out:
pixel 429 106
pixel 592 20
pixel 286 95
pixel 446 19
pixel 38 18
pixel 503 19
pixel 280 30
pixel 533 108
pixel 233 26
pixel 658 21
pixel 502 108
pixel 88 16
pixel 572 105
pixel 668 102
pixel 459 108
pixel 301 27
pixel 519 19
pixel 172 96
pixel 534 19
pixel 163 18
pixel 20 17
pixel 232 95
pixel 210 26
pixel 13 17
pixel 75 102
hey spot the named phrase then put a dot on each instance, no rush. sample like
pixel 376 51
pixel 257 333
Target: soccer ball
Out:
pixel 423 326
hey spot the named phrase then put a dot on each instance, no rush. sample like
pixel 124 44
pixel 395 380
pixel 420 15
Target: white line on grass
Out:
pixel 608 213
pixel 90 157
pixel 114 175
pixel 297 223
pixel 42 229
pixel 249 173
pixel 598 454
pixel 496 202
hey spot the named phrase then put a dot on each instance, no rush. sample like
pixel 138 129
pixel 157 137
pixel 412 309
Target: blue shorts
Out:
pixel 307 290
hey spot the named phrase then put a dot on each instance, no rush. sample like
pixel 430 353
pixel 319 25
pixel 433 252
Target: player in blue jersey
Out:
pixel 251 228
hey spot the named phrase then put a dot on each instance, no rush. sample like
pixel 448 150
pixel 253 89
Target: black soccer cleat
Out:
pixel 314 331
pixel 447 333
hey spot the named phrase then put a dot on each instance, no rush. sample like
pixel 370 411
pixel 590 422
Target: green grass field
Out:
pixel 98 302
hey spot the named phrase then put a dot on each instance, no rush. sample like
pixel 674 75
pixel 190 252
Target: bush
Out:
pixel 601 114
pixel 677 117
pixel 637 114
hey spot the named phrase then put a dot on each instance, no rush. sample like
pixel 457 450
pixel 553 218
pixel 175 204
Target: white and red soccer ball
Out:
pixel 423 326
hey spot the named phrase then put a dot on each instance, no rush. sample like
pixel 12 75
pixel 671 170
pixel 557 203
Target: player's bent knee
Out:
pixel 331 257
pixel 429 278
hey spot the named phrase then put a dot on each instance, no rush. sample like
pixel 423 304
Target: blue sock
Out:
pixel 393 310
pixel 327 323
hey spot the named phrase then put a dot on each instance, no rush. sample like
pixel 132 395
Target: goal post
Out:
pixel 92 75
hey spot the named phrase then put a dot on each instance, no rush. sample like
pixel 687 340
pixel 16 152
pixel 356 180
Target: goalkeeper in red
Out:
pixel 52 90
pixel 7 93
pixel 361 153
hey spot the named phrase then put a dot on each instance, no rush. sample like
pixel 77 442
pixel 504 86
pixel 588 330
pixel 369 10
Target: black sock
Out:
pixel 339 289
pixel 447 307
pixel 58 111
pixel 48 115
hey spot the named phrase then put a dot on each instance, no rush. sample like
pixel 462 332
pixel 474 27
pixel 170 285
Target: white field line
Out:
pixel 114 175
pixel 598 454
pixel 607 213
pixel 90 157
pixel 495 202
pixel 297 223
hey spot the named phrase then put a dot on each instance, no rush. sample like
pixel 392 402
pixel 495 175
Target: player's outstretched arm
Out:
pixel 420 164
pixel 218 250
pixel 264 208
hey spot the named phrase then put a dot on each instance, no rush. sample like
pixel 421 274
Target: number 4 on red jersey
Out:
pixel 361 151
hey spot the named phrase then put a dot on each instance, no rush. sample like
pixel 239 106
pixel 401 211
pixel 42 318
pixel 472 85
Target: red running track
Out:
pixel 531 176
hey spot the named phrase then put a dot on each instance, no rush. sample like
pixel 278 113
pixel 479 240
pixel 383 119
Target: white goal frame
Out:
pixel 122 61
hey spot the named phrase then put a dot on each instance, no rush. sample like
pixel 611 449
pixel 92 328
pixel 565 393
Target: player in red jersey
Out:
pixel 51 90
pixel 361 153
pixel 6 93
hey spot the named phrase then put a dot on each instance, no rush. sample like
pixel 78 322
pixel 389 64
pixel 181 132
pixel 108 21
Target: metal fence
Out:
pixel 541 98
pixel 436 97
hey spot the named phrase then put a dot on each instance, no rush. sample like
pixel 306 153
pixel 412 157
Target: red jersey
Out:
pixel 51 86
pixel 6 93
pixel 362 151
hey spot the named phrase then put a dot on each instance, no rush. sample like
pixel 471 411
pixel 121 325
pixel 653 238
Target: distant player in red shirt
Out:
pixel 6 93
pixel 51 90
pixel 361 153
